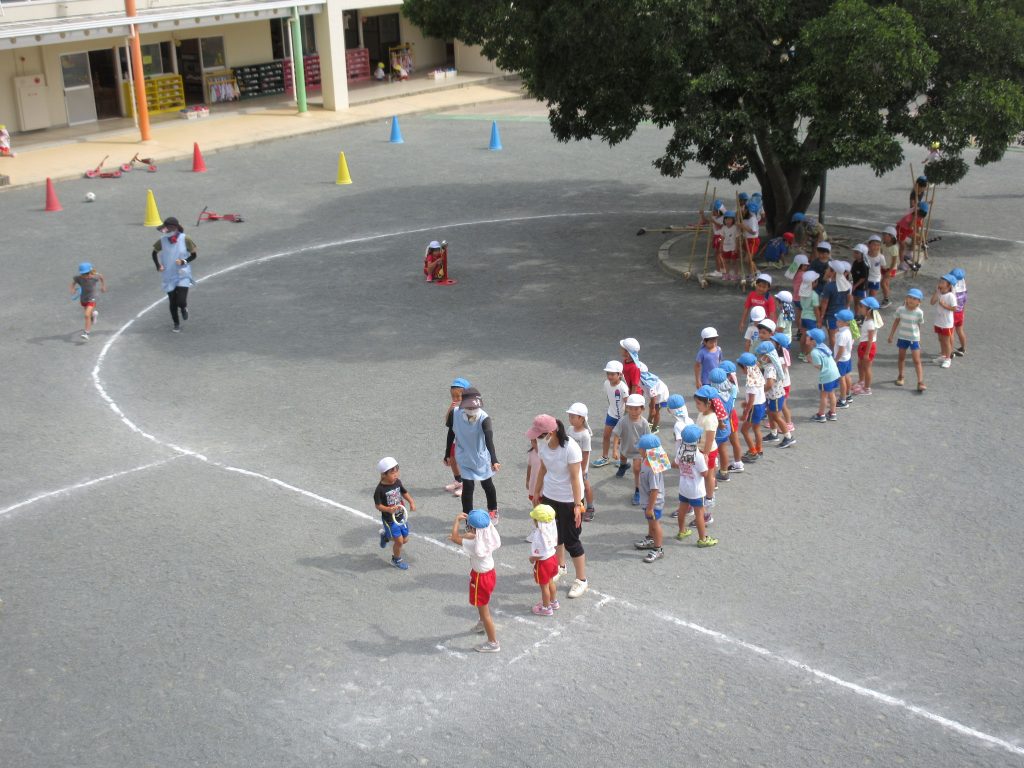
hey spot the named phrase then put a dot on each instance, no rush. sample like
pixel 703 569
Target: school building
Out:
pixel 66 62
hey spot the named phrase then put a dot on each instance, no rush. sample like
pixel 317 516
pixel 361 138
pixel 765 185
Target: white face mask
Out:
pixel 471 416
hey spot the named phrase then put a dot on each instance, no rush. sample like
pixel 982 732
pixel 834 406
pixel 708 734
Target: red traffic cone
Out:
pixel 198 164
pixel 52 203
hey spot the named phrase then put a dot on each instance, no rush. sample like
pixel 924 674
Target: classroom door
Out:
pixel 78 96
pixel 104 83
pixel 379 33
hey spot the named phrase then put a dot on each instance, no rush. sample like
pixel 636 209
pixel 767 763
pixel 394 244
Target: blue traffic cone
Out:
pixel 495 138
pixel 396 131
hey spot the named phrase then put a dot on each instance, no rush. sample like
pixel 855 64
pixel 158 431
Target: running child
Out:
pixel 457 387
pixel 543 545
pixel 579 430
pixel 88 283
pixel 906 326
pixel 653 463
pixel 616 390
pixel 709 356
pixel 480 541
pixel 753 406
pixel 693 466
pixel 757 299
pixel 960 289
pixel 945 303
pixel 388 498
pixel 843 352
pixel 828 376
pixel 626 434
pixel 867 347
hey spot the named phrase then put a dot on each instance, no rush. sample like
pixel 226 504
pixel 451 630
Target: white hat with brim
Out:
pixel 386 464
pixel 801 258
pixel 630 345
pixel 613 366
pixel 635 400
pixel 578 409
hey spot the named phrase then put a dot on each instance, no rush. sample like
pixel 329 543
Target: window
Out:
pixel 280 37
pixel 152 60
pixel 212 51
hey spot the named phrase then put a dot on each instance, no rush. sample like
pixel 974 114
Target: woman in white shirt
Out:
pixel 559 484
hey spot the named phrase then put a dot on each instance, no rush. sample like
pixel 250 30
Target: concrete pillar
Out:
pixel 330 45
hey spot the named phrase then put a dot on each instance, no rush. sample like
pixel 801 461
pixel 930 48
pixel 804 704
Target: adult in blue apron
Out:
pixel 173 255
pixel 474 450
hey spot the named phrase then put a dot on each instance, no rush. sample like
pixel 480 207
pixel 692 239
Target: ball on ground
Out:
pixel 90 197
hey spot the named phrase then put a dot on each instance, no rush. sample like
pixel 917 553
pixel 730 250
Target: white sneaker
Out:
pixel 95 314
pixel 562 570
pixel 578 588
pixel 946 362
pixel 736 466
pixel 716 273
pixel 452 486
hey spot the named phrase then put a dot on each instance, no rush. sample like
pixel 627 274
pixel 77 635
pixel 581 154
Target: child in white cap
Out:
pixel 876 265
pixel 616 390
pixel 434 261
pixel 580 431
pixel 709 356
pixel 759 304
pixel 630 348
pixel 810 316
pixel 891 252
pixel 799 266
pixel 785 313
pixel 388 498
pixel 859 277
pixel 626 435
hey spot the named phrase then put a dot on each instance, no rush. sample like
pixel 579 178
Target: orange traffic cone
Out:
pixel 198 164
pixel 52 203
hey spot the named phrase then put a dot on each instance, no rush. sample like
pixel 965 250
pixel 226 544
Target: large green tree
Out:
pixel 781 89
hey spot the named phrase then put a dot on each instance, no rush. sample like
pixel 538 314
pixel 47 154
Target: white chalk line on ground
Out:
pixel 877 696
pixel 86 484
pixel 933 230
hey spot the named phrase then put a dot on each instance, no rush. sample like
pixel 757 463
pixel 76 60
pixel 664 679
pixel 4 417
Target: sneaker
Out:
pixel 866 391
pixel 716 273
pixel 452 486
pixel 621 471
pixel 84 335
pixel 790 427
pixel 803 358
pixel 736 466
pixel 636 498
pixel 383 538
pixel 560 573
pixel 771 437
pixel 479 628
pixel 708 519
pixel 886 303
pixel 542 610
pixel 176 328
pixel 683 534
pixel 400 563
pixel 843 403
pixel 819 417
pixel 645 543
pixel 832 417
pixel 946 362
pixel 184 313
pixel 654 429
pixel 601 462
pixel 938 360
pixel 787 442
pixel 959 352
pixel 554 605
pixel 588 515
pixel 858 389
pixel 722 477
pixel 709 501
pixel 707 541
pixel 654 554
pixel 488 647
pixel 458 491
pixel 95 314
pixel 749 456
pixel 578 588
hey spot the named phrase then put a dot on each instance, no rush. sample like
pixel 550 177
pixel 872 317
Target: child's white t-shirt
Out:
pixel 844 344
pixel 583 437
pixel 543 540
pixel 754 225
pixel 755 385
pixel 875 264
pixel 479 563
pixel 867 328
pixel 616 394
pixel 774 387
pixel 657 394
pixel 786 362
pixel 944 316
pixel 691 477
pixel 729 238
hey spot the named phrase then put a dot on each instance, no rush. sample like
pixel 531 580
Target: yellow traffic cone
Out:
pixel 152 214
pixel 343 177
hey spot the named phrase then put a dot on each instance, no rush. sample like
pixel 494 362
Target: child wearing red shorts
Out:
pixel 945 303
pixel 866 348
pixel 480 541
pixel 728 253
pixel 88 284
pixel 711 415
pixel 543 546
pixel 960 289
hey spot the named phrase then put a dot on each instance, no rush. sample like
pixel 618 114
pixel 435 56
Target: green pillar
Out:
pixel 297 65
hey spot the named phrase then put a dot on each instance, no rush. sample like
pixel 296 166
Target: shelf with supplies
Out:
pixel 357 64
pixel 220 86
pixel 259 79
pixel 164 93
pixel 311 68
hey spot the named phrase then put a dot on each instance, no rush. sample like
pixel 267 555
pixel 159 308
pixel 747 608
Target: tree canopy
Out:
pixel 783 90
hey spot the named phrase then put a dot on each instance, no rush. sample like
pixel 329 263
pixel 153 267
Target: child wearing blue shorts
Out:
pixel 692 465
pixel 775 392
pixel 754 406
pixel 844 356
pixel 653 463
pixel 908 321
pixel 388 497
pixel 616 390
pixel 810 313
pixel 828 376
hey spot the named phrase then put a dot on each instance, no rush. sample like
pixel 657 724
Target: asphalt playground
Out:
pixel 189 565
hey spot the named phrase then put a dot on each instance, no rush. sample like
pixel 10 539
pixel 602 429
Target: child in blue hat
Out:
pixel 455 486
pixel 88 284
pixel 906 327
pixel 844 355
pixel 693 467
pixel 754 406
pixel 775 391
pixel 653 463
pixel 480 541
pixel 945 303
pixel 960 289
pixel 828 376
pixel 867 347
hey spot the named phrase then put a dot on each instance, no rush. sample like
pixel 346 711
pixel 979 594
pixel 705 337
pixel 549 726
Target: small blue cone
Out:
pixel 396 131
pixel 495 138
